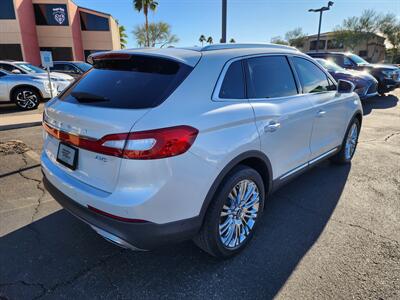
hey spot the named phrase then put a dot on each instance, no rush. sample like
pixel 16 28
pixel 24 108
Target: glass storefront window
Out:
pixel 90 22
pixel 7 10
pixel 11 51
pixel 59 53
pixel 51 14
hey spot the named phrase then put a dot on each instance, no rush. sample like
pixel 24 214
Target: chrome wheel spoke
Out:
pixel 238 214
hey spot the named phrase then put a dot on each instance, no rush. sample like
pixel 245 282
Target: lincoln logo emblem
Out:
pixel 59 15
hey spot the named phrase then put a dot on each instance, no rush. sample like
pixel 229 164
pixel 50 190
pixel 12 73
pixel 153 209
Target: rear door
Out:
pixel 330 107
pixel 109 99
pixel 283 116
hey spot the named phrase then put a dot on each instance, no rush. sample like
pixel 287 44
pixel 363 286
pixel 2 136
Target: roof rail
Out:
pixel 243 46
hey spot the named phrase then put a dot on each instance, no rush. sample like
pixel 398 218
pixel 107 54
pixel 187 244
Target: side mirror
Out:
pixel 345 87
pixel 16 71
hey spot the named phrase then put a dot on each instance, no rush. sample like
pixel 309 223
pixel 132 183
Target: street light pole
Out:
pixel 224 9
pixel 320 10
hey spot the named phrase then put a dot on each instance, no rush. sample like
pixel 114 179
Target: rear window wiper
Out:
pixel 88 97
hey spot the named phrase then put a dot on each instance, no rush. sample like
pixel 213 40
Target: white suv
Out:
pixel 154 146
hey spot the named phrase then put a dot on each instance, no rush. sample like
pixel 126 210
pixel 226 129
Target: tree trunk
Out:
pixel 147 27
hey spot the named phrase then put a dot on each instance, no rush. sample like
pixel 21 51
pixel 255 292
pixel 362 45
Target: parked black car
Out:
pixel 73 68
pixel 388 76
pixel 365 84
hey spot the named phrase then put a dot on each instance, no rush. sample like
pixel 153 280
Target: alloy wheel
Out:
pixel 351 141
pixel 27 99
pixel 239 213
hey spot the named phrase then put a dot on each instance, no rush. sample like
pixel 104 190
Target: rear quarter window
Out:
pixel 134 83
pixel 233 86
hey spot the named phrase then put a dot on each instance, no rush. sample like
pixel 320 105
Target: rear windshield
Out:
pixel 137 82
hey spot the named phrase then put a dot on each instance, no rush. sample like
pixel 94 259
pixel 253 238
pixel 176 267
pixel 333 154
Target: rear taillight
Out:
pixel 151 144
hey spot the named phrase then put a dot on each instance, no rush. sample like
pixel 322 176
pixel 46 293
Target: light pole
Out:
pixel 224 8
pixel 321 10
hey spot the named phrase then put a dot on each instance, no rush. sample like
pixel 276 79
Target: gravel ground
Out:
pixel 332 233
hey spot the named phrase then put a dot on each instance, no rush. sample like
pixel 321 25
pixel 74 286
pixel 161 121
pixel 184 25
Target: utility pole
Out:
pixel 224 12
pixel 320 10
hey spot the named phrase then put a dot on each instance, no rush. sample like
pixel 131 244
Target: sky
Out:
pixel 248 20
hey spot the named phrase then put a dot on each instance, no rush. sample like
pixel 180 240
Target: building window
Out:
pixel 363 53
pixel 335 44
pixel 313 45
pixel 90 22
pixel 11 51
pixel 7 11
pixel 59 53
pixel 51 14
pixel 88 52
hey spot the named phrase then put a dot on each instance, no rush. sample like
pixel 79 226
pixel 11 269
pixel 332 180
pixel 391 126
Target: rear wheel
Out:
pixel 232 216
pixel 349 144
pixel 26 98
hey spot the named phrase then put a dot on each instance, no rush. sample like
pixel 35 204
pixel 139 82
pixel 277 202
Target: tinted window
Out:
pixel 7 67
pixel 51 14
pixel 59 53
pixel 83 66
pixel 69 68
pixel 335 44
pixel 347 62
pixel 138 82
pixel 93 23
pixel 7 10
pixel 233 84
pixel 313 44
pixel 10 51
pixel 270 77
pixel 312 78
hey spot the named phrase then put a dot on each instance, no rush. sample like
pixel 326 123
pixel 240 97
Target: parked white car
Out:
pixel 154 146
pixel 26 91
pixel 20 67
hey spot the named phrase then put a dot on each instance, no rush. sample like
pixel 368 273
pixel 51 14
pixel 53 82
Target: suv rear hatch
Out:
pixel 107 100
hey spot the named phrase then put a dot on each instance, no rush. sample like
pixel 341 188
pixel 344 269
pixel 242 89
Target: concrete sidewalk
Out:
pixel 21 121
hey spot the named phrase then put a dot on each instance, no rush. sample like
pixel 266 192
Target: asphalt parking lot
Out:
pixel 332 233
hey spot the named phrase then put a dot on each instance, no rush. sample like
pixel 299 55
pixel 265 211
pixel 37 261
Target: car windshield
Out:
pixel 358 60
pixel 30 68
pixel 83 66
pixel 329 65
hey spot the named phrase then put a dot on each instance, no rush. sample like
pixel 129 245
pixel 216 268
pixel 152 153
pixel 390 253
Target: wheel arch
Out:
pixel 253 159
pixel 25 86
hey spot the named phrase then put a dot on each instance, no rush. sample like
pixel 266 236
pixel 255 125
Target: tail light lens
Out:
pixel 151 144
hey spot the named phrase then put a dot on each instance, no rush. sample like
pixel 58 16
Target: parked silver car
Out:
pixel 25 90
pixel 21 67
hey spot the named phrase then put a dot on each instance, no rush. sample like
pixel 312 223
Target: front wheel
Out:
pixel 235 209
pixel 349 144
pixel 26 98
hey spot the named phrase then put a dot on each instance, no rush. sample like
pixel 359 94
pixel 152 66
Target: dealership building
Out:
pixel 70 32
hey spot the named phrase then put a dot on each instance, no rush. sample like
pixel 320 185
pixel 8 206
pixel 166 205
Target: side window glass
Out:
pixel 6 67
pixel 312 78
pixel 233 84
pixel 347 62
pixel 270 77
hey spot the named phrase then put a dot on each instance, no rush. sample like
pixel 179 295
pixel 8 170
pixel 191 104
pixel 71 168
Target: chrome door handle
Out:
pixel 321 113
pixel 272 126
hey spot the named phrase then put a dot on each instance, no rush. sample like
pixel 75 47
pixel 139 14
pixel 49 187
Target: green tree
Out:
pixel 210 40
pixel 232 41
pixel 348 33
pixel 389 26
pixel 296 37
pixel 145 6
pixel 158 35
pixel 202 39
pixel 279 40
pixel 123 36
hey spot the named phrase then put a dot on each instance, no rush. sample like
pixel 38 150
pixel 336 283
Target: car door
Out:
pixel 4 95
pixel 283 117
pixel 331 110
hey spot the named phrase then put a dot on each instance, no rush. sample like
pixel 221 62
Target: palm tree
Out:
pixel 123 36
pixel 210 40
pixel 202 39
pixel 145 5
pixel 232 40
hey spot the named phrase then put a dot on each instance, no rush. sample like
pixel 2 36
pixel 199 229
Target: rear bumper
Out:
pixel 139 236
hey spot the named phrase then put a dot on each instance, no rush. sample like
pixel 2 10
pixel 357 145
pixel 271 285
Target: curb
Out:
pixel 20 125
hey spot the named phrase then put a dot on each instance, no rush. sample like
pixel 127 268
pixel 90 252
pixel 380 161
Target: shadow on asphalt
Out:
pixel 379 102
pixel 59 256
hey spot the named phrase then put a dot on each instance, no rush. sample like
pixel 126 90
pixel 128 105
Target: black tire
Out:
pixel 341 157
pixel 26 98
pixel 209 238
